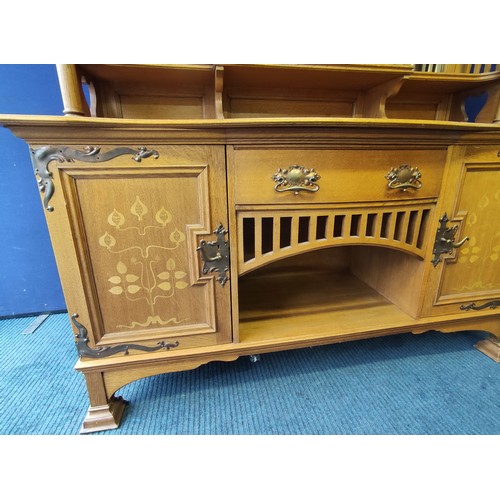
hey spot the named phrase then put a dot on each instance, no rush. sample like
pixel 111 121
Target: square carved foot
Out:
pixel 490 347
pixel 105 417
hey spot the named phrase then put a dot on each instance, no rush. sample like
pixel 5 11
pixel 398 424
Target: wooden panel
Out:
pixel 397 276
pixel 247 108
pixel 182 108
pixel 418 106
pixel 412 110
pixel 136 238
pixel 346 175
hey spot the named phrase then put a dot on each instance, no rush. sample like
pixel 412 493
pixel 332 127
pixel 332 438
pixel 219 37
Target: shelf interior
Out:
pixel 287 304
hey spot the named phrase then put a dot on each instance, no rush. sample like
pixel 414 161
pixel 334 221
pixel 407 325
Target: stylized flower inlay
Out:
pixel 107 241
pixel 139 209
pixel 116 219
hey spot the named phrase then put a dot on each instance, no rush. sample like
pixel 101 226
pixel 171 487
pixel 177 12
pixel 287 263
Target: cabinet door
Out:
pixel 469 278
pixel 126 230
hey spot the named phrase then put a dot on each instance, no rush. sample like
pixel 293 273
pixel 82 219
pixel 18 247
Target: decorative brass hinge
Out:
pixel 445 240
pixel 84 350
pixel 43 156
pixel 215 255
pixel 296 178
pixel 491 305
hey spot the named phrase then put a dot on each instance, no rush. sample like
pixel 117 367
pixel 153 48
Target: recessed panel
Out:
pixel 136 230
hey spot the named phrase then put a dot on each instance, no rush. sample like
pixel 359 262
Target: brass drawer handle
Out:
pixel 404 177
pixel 296 178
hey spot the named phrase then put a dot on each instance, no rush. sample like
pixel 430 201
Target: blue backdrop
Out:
pixel 29 282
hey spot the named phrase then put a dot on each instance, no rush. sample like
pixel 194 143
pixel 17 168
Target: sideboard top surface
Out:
pixel 37 129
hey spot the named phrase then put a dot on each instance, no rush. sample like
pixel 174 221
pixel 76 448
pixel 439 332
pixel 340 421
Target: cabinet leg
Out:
pixel 105 412
pixel 104 417
pixel 490 347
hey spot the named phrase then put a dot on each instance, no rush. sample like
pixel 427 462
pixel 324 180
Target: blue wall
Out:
pixel 29 282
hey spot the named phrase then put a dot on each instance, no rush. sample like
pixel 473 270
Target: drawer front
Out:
pixel 289 176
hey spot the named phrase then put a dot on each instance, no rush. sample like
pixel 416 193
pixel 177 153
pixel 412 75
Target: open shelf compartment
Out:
pixel 320 305
pixel 338 297
pixel 238 91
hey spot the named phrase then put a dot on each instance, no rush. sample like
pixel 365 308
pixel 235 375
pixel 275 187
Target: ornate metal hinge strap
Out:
pixel 296 178
pixel 215 255
pixel 491 305
pixel 43 156
pixel 84 350
pixel 445 240
pixel 404 177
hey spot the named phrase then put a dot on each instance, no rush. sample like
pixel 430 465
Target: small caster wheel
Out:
pixel 254 358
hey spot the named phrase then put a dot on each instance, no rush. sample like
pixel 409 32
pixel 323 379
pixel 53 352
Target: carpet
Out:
pixel 429 384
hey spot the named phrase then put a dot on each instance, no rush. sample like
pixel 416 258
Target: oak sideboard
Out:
pixel 206 212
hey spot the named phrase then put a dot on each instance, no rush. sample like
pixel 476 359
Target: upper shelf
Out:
pixel 236 91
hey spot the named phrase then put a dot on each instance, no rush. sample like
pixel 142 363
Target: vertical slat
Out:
pixel 378 225
pixel 241 252
pixel 346 228
pixel 416 225
pixel 313 224
pixel 219 84
pixel 362 225
pixel 294 239
pixel 422 229
pixel 258 236
pixel 276 234
pixel 390 226
pixel 329 226
pixel 402 227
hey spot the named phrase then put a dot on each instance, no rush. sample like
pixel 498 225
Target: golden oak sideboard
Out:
pixel 202 213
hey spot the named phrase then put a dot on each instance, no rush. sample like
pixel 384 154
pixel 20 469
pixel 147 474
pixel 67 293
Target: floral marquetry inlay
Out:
pixel 145 272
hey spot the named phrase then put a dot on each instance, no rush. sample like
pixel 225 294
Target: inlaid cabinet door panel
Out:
pixel 136 227
pixel 469 278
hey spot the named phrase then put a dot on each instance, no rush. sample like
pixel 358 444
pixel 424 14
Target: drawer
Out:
pixel 284 176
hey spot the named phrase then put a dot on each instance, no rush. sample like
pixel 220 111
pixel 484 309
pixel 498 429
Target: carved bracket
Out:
pixel 445 240
pixel 84 350
pixel 43 156
pixel 215 255
pixel 296 178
